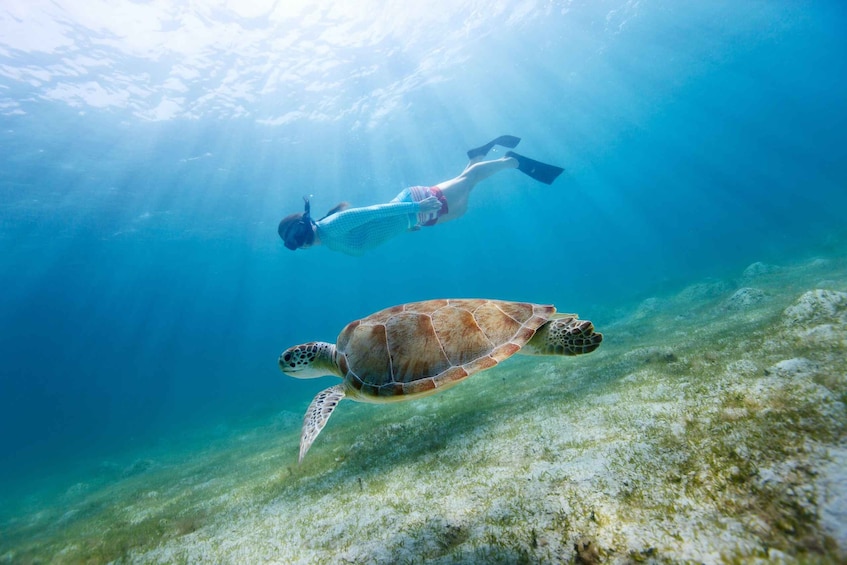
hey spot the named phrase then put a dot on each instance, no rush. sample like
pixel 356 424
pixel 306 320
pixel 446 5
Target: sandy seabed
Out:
pixel 710 427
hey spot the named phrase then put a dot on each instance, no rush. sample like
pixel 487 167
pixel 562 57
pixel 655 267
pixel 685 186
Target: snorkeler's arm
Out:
pixel 355 217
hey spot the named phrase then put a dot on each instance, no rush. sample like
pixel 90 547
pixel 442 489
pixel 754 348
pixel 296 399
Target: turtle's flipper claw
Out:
pixel 317 415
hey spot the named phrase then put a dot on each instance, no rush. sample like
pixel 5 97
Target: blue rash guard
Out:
pixel 356 230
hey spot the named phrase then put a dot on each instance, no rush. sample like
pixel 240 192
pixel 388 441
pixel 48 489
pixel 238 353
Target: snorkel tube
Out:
pixel 305 224
pixel 307 209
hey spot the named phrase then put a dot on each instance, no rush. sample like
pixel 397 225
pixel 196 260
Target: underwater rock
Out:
pixel 816 307
pixel 758 269
pixel 704 291
pixel 832 497
pixel 744 298
pixel 825 336
pixel 793 368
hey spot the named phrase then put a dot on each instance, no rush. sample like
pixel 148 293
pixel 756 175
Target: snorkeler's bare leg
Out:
pixel 457 190
pixel 477 153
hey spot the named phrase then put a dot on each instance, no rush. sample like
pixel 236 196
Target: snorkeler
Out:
pixel 355 230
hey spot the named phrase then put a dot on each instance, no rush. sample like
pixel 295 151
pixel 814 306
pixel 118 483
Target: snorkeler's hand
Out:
pixel 430 204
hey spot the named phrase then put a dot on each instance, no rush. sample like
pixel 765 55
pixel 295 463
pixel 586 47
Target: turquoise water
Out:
pixel 148 156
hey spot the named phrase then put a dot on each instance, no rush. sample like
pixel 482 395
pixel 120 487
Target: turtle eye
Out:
pixel 286 357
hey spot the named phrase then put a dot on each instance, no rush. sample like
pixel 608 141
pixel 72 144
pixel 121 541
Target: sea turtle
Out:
pixel 416 349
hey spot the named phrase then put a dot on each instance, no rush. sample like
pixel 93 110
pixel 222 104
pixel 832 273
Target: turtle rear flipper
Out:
pixel 565 335
pixel 317 415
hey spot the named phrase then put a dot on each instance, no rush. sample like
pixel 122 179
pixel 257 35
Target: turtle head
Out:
pixel 309 360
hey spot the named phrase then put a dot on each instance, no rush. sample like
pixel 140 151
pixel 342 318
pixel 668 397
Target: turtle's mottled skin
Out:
pixel 417 349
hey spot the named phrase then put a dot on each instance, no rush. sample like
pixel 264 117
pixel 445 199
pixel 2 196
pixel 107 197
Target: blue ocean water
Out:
pixel 147 158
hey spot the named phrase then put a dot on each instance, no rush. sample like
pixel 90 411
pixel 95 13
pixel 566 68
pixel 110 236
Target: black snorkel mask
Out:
pixel 300 232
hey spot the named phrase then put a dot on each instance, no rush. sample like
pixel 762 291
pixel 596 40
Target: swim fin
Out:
pixel 509 141
pixel 542 172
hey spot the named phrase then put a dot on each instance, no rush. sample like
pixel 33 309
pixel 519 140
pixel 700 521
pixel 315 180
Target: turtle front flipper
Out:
pixel 317 415
pixel 564 334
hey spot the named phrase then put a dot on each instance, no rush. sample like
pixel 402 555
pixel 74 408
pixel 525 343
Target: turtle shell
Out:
pixel 417 348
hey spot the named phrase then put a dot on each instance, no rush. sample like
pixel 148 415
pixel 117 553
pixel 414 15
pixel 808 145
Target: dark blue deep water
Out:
pixel 147 158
